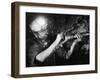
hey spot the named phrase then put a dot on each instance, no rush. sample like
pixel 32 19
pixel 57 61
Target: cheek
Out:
pixel 42 34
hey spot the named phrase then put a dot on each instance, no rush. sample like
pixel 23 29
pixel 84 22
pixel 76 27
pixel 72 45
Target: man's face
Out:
pixel 42 34
pixel 39 27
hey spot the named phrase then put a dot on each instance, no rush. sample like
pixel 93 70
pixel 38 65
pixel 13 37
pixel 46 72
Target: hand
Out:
pixel 60 36
pixel 58 39
pixel 68 37
pixel 79 37
pixel 65 40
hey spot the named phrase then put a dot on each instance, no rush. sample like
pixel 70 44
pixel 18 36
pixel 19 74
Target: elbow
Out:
pixel 39 58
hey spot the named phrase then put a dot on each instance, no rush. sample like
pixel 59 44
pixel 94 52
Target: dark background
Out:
pixel 56 24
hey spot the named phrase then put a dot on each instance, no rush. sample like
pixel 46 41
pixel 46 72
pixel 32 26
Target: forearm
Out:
pixel 44 54
pixel 71 50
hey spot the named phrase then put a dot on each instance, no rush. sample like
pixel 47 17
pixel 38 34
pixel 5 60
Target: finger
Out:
pixel 77 36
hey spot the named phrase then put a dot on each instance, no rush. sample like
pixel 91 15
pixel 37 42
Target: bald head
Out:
pixel 40 23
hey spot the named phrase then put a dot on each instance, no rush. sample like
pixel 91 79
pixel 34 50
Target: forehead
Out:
pixel 39 23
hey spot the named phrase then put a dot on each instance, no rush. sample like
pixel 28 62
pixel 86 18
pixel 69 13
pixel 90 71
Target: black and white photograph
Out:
pixel 57 39
pixel 52 39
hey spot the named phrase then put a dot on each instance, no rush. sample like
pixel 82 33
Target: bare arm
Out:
pixel 73 46
pixel 71 50
pixel 44 54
